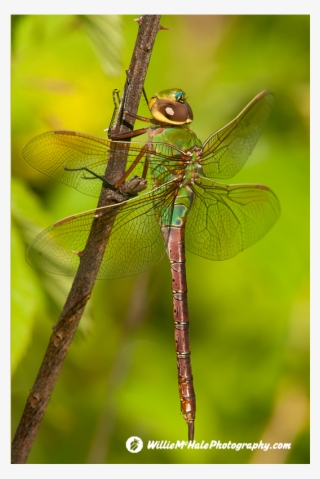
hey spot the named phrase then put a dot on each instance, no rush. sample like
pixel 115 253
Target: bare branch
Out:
pixel 91 258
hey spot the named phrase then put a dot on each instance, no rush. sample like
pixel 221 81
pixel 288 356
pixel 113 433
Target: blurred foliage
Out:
pixel 249 315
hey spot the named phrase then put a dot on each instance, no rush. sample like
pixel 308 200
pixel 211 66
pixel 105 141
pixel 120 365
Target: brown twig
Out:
pixel 91 258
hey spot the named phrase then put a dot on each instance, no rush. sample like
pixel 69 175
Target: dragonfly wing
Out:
pixel 51 152
pixel 226 219
pixel 226 151
pixel 135 243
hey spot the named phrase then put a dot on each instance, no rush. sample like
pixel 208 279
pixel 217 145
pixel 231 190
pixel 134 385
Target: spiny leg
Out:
pixel 94 176
pixel 116 102
pixel 132 167
pixel 123 112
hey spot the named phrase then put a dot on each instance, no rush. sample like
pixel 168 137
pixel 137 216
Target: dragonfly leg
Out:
pixel 138 117
pixel 132 167
pixel 116 102
pixel 94 176
pixel 128 189
pixel 145 97
pixel 130 134
pixel 145 167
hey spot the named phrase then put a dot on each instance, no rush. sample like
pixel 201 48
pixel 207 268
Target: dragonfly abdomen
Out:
pixel 176 254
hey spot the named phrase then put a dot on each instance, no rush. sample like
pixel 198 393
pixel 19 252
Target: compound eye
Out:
pixel 179 97
pixel 176 113
pixel 190 112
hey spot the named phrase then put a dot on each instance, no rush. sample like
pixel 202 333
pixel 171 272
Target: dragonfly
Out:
pixel 181 205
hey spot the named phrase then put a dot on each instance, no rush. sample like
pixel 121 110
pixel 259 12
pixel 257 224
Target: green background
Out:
pixel 249 315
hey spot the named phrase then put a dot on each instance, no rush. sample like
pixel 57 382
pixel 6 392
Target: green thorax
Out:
pixel 183 138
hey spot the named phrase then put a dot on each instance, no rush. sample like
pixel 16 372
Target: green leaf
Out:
pixel 105 33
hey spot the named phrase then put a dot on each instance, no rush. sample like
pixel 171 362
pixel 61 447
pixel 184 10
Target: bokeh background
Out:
pixel 249 315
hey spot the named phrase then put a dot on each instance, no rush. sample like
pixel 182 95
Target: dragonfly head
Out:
pixel 170 106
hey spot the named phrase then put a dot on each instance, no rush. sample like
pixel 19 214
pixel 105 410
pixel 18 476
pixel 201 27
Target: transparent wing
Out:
pixel 135 243
pixel 226 151
pixel 51 152
pixel 226 219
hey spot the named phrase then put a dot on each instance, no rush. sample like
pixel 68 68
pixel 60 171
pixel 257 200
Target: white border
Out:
pixel 137 7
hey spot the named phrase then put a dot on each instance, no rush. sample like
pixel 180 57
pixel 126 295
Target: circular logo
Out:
pixel 134 444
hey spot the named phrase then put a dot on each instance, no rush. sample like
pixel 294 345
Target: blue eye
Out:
pixel 179 95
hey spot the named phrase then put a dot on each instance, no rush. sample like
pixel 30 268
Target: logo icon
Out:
pixel 134 444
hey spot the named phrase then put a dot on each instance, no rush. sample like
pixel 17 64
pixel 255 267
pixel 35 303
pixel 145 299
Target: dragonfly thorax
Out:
pixel 193 167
